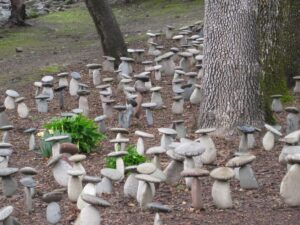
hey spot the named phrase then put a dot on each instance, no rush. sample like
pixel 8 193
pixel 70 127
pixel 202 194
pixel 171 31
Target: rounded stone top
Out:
pixel 147 178
pixel 77 158
pixel 5 212
pixel 193 51
pixel 273 130
pixel 75 173
pixel 194 172
pixel 117 154
pixel 12 93
pixel 120 107
pixel 190 149
pixel 185 54
pixel 175 156
pixel 91 179
pixel 77 111
pixel 64 74
pixel 42 97
pixel 69 148
pixel 199 57
pixel 296 77
pixel 276 96
pixel 119 140
pixel 5 145
pixel 292 138
pixel 146 168
pixel 180 72
pixel 178 121
pixel 156 150
pixel 47 79
pixel 147 62
pixel 167 55
pixel 28 171
pixel 109 58
pixel 7 127
pixel 54 160
pixel 94 66
pixel 167 131
pixel 111 174
pixel 132 169
pixel 37 84
pixel 143 134
pixel 30 130
pixel 103 86
pixel 222 173
pixel 149 105
pixel 191 74
pixel 75 75
pixel 127 59
pixel 4 152
pixel 157 67
pixel 94 200
pixel 178 97
pixel 177 37
pixel 19 100
pixel 239 161
pixel 155 89
pixel 158 207
pixel 119 130
pixel 57 138
pixel 293 159
pixel 4 172
pixel 28 182
pixel 53 196
pixel 292 110
pixel 100 118
pixel 126 81
pixel 246 129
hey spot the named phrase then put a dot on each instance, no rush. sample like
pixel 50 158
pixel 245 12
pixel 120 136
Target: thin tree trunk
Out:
pixel 107 27
pixel 231 69
pixel 18 13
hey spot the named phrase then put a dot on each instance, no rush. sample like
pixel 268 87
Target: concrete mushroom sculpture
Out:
pixel 74 83
pixel 276 104
pixel 210 153
pixel 156 151
pixel 140 147
pixel 292 119
pixel 53 211
pixel 269 138
pixel 9 101
pixel 5 130
pixel 9 184
pixel 109 175
pixel 74 184
pixel 31 132
pixel 167 137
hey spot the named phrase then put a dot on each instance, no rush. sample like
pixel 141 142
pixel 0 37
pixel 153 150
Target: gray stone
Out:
pixel 53 213
pixel 247 178
pixel 131 186
pixel 5 212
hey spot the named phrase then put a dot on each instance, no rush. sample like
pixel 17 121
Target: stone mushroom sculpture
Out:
pixel 246 174
pixel 174 168
pixel 108 64
pixel 178 125
pixel 185 61
pixel 109 175
pixel 290 147
pixel 221 188
pixel 122 120
pixel 77 159
pixel 210 153
pixel 156 97
pixel 74 83
pixel 55 140
pixel 276 104
pixel 42 103
pixel 3 116
pixel 31 132
pixel 167 137
pixel 292 119
pixel 29 172
pixel 245 130
pixel 5 130
pixel 60 168
pixel 157 208
pixel 120 134
pixel 196 192
pixel 38 86
pixel 149 106
pixel 22 108
pixel 157 72
pixel 60 90
pixel 196 95
pixel 297 84
pixel 5 153
pixel 47 84
pixel 140 147
pixel 177 106
pixel 119 143
pixel 269 138
pixel 289 188
pixel 63 79
pixel 108 107
pixel 28 184
pixel 131 183
pixel 120 166
pixel 9 184
pixel 74 184
pixel 156 151
pixel 125 66
pixel 83 102
pixel 101 123
pixel 9 101
pixel 53 212
pixel 169 32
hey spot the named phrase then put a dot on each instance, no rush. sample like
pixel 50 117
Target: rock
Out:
pixel 53 213
pixel 89 215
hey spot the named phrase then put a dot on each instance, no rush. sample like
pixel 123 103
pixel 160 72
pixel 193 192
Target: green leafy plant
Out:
pixel 131 159
pixel 46 147
pixel 83 131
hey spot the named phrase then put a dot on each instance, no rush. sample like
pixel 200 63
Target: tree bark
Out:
pixel 107 27
pixel 231 68
pixel 18 13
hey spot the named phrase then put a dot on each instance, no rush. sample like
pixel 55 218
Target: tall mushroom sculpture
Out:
pixel 9 184
pixel 269 138
pixel 210 154
pixel 9 101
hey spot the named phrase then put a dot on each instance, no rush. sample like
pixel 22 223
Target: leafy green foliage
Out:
pixel 131 159
pixel 83 131
pixel 46 147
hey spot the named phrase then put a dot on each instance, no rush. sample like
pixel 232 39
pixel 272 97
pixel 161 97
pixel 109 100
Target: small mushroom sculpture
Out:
pixel 156 97
pixel 9 101
pixel 246 131
pixel 297 84
pixel 120 166
pixel 47 84
pixel 178 125
pixel 74 83
pixel 31 132
pixel 60 90
pixel 74 184
pixel 109 175
pixel 83 102
pixel 9 184
pixel 292 119
pixel 101 123
pixel 53 211
pixel 42 103
pixel 108 64
pixel 29 172
pixel 149 106
pixel 55 140
pixel 77 159
pixel 276 104
pixel 269 138
pixel 22 108
pixel 167 137
pixel 210 153
pixel 177 106
pixel 122 119
pixel 28 184
pixel 196 95
pixel 5 130
pixel 140 147
pixel 156 151
pixel 60 168
pixel 63 79
pixel 290 147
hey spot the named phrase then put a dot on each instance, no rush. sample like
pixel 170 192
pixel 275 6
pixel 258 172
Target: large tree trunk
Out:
pixel 107 27
pixel 231 69
pixel 18 13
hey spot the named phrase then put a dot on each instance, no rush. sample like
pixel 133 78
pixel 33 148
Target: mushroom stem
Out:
pixel 140 148
pixel 149 117
pixel 243 147
pixel 173 171
pixel 196 193
pixel 55 149
pixel 156 161
pixel 32 142
pixel 9 186
pixel 188 163
pixel 165 141
pixel 221 194
pixel 28 199
pixel 5 137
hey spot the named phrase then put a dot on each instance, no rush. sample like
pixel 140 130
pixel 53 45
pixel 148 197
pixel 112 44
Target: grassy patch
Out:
pixel 51 69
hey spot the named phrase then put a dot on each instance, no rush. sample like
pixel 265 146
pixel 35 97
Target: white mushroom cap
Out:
pixel 190 149
pixel 222 173
pixel 205 130
pixel 292 138
pixel 156 150
pixel 12 93
pixel 146 168
pixel 5 212
pixel 167 131
pixel 117 154
pixel 239 161
pixel 273 130
pixel 143 134
pixel 111 174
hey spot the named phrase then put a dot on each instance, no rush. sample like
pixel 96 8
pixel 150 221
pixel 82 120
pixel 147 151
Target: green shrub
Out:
pixel 83 131
pixel 131 159
pixel 46 147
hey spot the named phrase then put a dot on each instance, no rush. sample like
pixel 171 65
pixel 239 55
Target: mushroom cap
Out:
pixel 49 85
pixel 126 80
pixel 146 168
pixel 53 196
pixel 109 58
pixel 68 148
pixel 222 173
pixel 159 174
pixel 178 92
pixel 77 158
pixel 167 55
pixel 57 138
pixel 193 51
pixel 194 172
pixel 175 156
pixel 143 134
pixel 7 127
pixel 94 66
pixel 19 100
pixel 28 182
pixel 54 160
pixel 276 96
pixel 149 105
pixel 120 107
pixel 185 54
pixel 190 149
pixel 5 212
pixel 158 207
pixel 105 93
pixel 157 67
pixel 119 140
pixel 199 57
pixel 191 74
pixel 184 86
pixel 100 118
pixel 28 171
pixel 75 75
pixel 83 92
pixel 155 89
pixel 77 111
pixel 167 131
pixel 147 62
pixel 108 79
pixel 12 93
pixel 127 59
pixel 177 37
pixel 47 79
pixel 111 174
pixel 117 154
pixel 103 86
pixel 292 110
pixel 5 145
pixel 139 50
pixel 30 130
pixel 67 114
pixel 147 178
pixel 273 130
pixel 75 173
pixel 246 129
pixel 239 161
pixel 64 74
pixel 292 138
pixel 180 72
pixel 177 121
pixel 4 152
pixel 156 150
pixel 131 168
pixel 293 159
pixel 296 77
pixel 94 200
pixel 37 84
pixel 60 88
pixel 119 130
pixel 8 171
pixel 42 96
pixel 91 179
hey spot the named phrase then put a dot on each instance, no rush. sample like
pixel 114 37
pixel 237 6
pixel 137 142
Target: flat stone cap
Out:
pixel 69 148
pixel 5 212
pixel 276 96
pixel 156 150
pixel 120 107
pixel 28 182
pixel 119 130
pixel 94 66
pixel 155 88
pixel 119 140
pixel 143 134
pixel 246 129
pixel 199 57
pixel 28 171
pixel 147 62
pixel 222 173
pixel 147 178
pixel 175 156
pixel 100 118
pixel 57 138
pixel 30 130
pixel 191 74
pixel 77 111
pixel 83 92
pixel 273 130
pixel 167 55
pixel 194 172
pixel 67 114
pixel 5 145
pixel 42 96
pixel 111 174
pixel 239 161
pixel 19 100
pixel 4 152
pixel 106 93
pixel 75 173
pixel 185 54
pixel 190 149
pixel 193 51
pixel 53 196
pixel 292 110
pixel 7 127
pixel 8 171
pixel 296 77
pixel 103 86
pixel 91 179
pixel 108 79
pixel 77 158
pixel 75 75
pixel 177 37
pixel 117 154
pixel 146 168
pixel 132 169
pixel 158 207
pixel 157 67
pixel 149 105
pixel 177 121
pixel 47 79
pixel 293 159
pixel 37 84
pixel 109 58
pixel 127 59
pixel 126 80
pixel 93 200
pixel 64 74
pixel 54 160
pixel 292 138
pixel 167 131
pixel 12 93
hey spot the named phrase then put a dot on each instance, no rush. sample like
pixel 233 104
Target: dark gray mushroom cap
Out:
pixel 53 196
pixel 119 130
pixel 222 173
pixel 93 200
pixel 158 207
pixel 147 178
pixel 54 160
pixel 190 149
pixel 28 171
pixel 111 174
pixel 174 49
pixel 42 97
pixel 120 107
pixel 246 129
pixel 28 182
pixel 75 75
pixel 91 179
pixel 30 130
pixel 8 171
pixel 239 161
pixel 83 92
pixel 6 127
pixel 194 172
pixel 5 212
pixel 292 110
pixel 4 152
